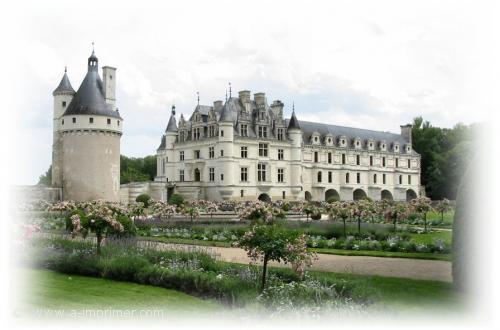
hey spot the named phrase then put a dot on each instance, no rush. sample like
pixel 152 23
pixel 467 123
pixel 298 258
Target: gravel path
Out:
pixel 419 269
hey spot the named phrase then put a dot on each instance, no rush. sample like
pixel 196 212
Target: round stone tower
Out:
pixel 88 134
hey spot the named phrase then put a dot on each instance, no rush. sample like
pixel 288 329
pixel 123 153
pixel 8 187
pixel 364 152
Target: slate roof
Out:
pixel 293 122
pixel 89 99
pixel 64 85
pixel 172 125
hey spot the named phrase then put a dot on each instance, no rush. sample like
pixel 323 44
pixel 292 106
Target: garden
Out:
pixel 139 244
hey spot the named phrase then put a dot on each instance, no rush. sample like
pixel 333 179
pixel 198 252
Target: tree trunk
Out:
pixel 359 227
pixel 264 271
pixel 99 241
pixel 345 234
pixel 442 217
pixel 395 221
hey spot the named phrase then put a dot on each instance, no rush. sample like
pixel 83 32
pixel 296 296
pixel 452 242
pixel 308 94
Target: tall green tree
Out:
pixel 46 178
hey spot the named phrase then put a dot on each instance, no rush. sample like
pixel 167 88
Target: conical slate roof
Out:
pixel 172 125
pixel 293 123
pixel 64 85
pixel 229 111
pixel 89 99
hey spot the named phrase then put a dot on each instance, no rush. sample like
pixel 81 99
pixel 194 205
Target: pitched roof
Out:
pixel 64 85
pixel 172 125
pixel 293 123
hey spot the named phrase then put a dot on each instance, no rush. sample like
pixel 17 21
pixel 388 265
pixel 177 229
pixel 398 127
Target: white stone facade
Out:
pixel 214 156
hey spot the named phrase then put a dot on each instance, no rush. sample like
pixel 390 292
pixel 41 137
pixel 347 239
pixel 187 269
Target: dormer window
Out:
pixel 382 146
pixel 315 139
pixel 408 148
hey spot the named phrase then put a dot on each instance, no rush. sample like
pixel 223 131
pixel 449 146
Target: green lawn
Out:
pixel 54 291
pixel 428 238
pixel 447 218
pixel 404 294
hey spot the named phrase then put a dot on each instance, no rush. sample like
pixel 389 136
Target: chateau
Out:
pixel 244 149
pixel 240 149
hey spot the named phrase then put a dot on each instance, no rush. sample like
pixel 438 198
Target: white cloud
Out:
pixel 366 64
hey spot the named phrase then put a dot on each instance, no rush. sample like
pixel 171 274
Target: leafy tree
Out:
pixel 46 179
pixel 137 169
pixel 422 205
pixel 144 199
pixel 274 243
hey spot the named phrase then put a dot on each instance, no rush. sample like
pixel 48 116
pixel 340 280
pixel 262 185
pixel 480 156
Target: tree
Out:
pixel 341 210
pixel 46 179
pixel 395 212
pixel 274 243
pixel 422 205
pixel 442 207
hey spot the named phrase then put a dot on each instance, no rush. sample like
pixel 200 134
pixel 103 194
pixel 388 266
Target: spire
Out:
pixel 198 96
pixel 93 61
pixel 64 85
pixel 229 89
pixel 172 125
pixel 293 123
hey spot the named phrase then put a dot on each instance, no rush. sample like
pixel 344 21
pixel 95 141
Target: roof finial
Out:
pixel 65 69
pixel 229 89
pixel 173 109
pixel 226 95
pixel 293 106
pixel 198 96
pixel 92 46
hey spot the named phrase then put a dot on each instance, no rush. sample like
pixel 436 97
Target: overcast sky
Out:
pixel 372 64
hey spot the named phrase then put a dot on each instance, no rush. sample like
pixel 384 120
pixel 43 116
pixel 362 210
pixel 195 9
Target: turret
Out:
pixel 90 130
pixel 295 134
pixel 226 138
pixel 63 95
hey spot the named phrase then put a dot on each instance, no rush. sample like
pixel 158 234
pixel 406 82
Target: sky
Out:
pixel 366 64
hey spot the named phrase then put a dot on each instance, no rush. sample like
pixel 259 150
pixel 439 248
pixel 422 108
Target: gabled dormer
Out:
pixel 357 143
pixel 329 139
pixel 316 138
pixel 343 140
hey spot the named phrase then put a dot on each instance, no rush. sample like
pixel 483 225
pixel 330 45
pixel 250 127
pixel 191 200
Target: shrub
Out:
pixel 143 198
pixel 176 199
pixel 285 207
pixel 316 216
pixel 332 199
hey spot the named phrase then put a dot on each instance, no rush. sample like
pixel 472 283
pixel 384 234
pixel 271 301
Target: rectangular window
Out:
pixel 262 149
pixel 181 156
pixel 211 152
pixel 222 177
pixel 281 175
pixel 409 179
pixel 284 194
pixel 222 153
pixel 221 133
pixel 118 123
pixel 374 178
pixel 397 162
pixel 211 174
pixel 329 158
pixel 242 193
pixel 330 177
pixel 109 121
pixel 347 178
pixel 181 175
pixel 197 154
pixel 280 133
pixel 244 130
pixel 74 120
pixel 358 177
pixel 244 152
pixel 358 160
pixel 280 154
pixel 343 159
pixel 383 161
pixel 316 157
pixel 62 122
pixel 64 104
pixel 263 131
pixel 400 179
pixel 409 163
pixel 261 172
pixel 383 178
pixel 371 160
pixel 320 176
pixel 244 174
pixel 91 120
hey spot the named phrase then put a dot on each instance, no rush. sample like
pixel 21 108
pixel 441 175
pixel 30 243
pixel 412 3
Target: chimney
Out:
pixel 217 105
pixel 244 96
pixel 109 82
pixel 260 98
pixel 406 132
pixel 277 108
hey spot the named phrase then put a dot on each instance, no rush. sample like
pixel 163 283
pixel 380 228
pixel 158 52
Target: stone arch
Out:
pixel 410 194
pixel 308 196
pixel 332 193
pixel 358 194
pixel 197 175
pixel 264 198
pixel 386 195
